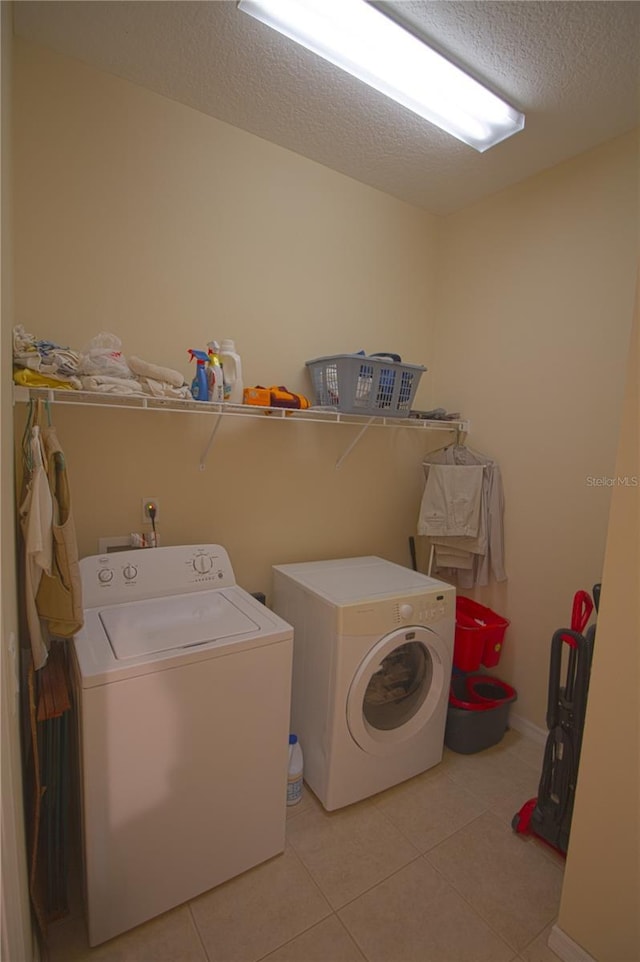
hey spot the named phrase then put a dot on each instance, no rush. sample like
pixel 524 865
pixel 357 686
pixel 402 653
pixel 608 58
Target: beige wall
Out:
pixel 139 216
pixel 600 908
pixel 16 941
pixel 531 339
pixel 142 217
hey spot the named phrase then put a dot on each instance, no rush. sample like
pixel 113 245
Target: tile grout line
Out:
pixel 538 934
pixel 473 909
pixel 450 834
pixel 306 870
pixel 455 785
pixel 360 947
pixel 381 881
pixel 321 893
pixel 195 925
pixel 396 828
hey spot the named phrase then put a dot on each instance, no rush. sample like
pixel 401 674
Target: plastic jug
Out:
pixel 294 778
pixel 214 372
pixel 231 372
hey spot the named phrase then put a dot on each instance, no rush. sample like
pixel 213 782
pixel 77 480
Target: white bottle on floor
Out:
pixel 294 779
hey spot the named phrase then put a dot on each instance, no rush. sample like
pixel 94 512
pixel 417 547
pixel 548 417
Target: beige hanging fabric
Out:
pixel 468 560
pixel 451 501
pixel 59 597
pixel 51 573
pixel 36 518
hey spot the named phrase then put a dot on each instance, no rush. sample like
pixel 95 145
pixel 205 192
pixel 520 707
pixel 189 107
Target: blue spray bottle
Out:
pixel 199 385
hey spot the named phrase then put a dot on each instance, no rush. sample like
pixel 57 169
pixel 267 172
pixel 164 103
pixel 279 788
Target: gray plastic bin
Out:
pixel 482 724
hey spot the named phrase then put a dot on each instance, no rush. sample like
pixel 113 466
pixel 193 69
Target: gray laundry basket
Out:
pixel 360 384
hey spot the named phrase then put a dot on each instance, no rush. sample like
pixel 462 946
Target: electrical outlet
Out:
pixel 146 502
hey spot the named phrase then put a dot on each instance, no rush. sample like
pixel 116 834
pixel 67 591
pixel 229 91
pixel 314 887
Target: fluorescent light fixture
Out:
pixel 358 38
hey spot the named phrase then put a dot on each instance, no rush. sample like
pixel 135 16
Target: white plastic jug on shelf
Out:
pixel 231 372
pixel 294 777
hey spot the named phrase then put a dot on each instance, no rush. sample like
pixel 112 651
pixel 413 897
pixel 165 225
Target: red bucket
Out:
pixel 481 693
pixel 479 635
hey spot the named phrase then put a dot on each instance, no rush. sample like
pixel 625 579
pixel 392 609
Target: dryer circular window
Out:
pixel 397 688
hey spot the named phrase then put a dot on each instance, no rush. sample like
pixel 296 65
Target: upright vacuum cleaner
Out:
pixel 549 815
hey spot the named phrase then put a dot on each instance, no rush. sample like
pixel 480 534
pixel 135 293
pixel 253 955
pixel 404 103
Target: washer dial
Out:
pixel 202 564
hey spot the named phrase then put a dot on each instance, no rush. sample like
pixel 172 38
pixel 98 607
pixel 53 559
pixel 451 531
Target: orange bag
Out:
pixel 275 397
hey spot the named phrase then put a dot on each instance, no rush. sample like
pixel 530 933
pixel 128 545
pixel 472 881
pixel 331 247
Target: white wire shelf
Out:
pixel 220 410
pixel 136 402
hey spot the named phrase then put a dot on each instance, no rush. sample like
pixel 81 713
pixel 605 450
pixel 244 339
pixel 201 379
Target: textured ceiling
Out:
pixel 573 68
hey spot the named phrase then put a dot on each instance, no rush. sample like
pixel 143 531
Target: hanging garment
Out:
pixel 461 549
pixel 451 501
pixel 36 518
pixel 483 555
pixel 59 597
pixel 447 557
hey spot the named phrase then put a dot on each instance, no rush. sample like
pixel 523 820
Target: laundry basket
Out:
pixel 360 384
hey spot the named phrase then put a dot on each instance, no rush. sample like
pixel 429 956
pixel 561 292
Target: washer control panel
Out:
pixel 152 572
pixel 423 612
pixel 379 616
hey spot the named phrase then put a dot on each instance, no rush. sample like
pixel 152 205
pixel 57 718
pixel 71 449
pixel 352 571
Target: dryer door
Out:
pixel 397 688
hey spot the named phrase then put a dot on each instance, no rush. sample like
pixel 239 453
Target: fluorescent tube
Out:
pixel 359 39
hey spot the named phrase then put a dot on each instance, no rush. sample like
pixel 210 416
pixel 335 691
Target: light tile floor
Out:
pixel 428 871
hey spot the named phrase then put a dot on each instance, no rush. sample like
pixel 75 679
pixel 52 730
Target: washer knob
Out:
pixel 202 563
pixel 105 575
pixel 130 572
pixel 405 610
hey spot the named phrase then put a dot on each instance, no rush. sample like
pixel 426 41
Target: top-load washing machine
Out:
pixel 182 686
pixel 373 648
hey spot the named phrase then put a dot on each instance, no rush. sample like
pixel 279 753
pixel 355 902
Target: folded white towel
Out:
pixel 111 385
pixel 162 389
pixel 165 374
pixel 450 504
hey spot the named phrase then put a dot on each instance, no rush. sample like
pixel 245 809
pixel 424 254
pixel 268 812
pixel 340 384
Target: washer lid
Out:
pixel 179 621
pixel 173 631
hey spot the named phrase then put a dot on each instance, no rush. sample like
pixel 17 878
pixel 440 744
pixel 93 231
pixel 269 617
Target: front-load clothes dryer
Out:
pixel 373 648
pixel 182 687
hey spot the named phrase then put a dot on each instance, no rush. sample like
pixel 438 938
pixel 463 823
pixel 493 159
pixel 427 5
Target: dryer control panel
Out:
pixel 153 572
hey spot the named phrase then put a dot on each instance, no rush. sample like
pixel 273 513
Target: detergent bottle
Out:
pixel 294 774
pixel 214 372
pixel 200 385
pixel 231 372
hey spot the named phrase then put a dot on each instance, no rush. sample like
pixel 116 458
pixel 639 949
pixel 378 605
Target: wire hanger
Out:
pixel 461 436
pixel 26 439
pixel 457 441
